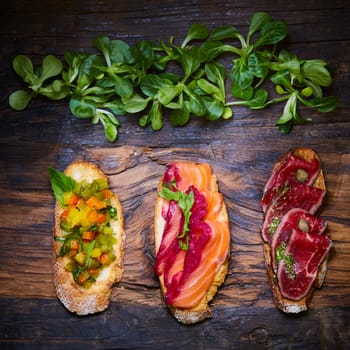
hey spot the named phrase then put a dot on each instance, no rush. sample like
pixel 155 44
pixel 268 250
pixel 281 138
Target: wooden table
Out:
pixel 241 151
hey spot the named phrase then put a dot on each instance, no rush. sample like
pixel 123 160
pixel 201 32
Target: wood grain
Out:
pixel 241 152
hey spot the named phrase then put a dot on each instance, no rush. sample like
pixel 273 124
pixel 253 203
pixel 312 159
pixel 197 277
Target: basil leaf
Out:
pixel 60 183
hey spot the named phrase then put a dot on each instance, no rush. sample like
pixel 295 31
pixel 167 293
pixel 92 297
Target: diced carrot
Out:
pixel 83 277
pixel 107 193
pixel 94 202
pixel 73 200
pixel 93 272
pixel 74 244
pixel 64 214
pixel 73 252
pixel 101 218
pixel 88 235
pixel 104 259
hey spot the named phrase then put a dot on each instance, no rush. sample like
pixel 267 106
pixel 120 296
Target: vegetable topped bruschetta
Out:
pixel 88 238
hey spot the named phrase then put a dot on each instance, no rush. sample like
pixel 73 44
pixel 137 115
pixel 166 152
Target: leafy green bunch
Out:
pixel 149 79
pixel 295 80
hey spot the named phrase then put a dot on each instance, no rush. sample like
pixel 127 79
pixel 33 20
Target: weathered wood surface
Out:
pixel 241 152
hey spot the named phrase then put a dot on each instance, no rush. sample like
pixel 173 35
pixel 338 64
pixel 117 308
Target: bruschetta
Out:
pixel 88 238
pixel 192 239
pixel 296 245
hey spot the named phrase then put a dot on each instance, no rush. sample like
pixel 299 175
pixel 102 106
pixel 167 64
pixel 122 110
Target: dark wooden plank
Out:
pixel 133 327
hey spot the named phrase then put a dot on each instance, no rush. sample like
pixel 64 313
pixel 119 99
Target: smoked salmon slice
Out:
pixel 212 257
pixel 189 174
pixel 187 274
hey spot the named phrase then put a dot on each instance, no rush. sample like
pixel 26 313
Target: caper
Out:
pixel 303 225
pixel 302 175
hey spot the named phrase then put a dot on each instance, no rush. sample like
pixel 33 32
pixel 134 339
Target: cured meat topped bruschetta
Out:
pixel 192 239
pixel 295 244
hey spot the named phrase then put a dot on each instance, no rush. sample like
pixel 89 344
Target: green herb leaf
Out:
pixel 135 103
pixel 316 71
pixel 51 66
pixel 23 66
pixel 128 79
pixel 271 33
pixel 102 43
pixel 257 21
pixel 197 31
pixel 81 108
pixel 19 100
pixel 185 202
pixel 179 117
pixel 60 183
pixel 224 32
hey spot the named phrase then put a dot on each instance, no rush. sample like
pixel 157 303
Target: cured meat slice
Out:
pixel 173 226
pixel 306 251
pixel 295 244
pixel 292 170
pixel 297 195
pixel 295 220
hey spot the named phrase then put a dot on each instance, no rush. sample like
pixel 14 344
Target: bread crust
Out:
pixel 74 297
pixel 202 310
pixel 284 304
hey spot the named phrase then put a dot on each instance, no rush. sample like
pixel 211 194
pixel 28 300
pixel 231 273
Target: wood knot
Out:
pixel 259 335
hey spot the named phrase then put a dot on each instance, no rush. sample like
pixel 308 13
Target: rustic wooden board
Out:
pixel 241 151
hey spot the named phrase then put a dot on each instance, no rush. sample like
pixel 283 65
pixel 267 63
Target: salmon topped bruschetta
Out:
pixel 192 239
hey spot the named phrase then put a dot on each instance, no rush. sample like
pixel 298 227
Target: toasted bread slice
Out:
pixel 286 305
pixel 96 298
pixel 201 311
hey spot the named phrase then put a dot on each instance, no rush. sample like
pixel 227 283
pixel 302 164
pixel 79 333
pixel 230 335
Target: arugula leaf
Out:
pixel 60 183
pixel 185 202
